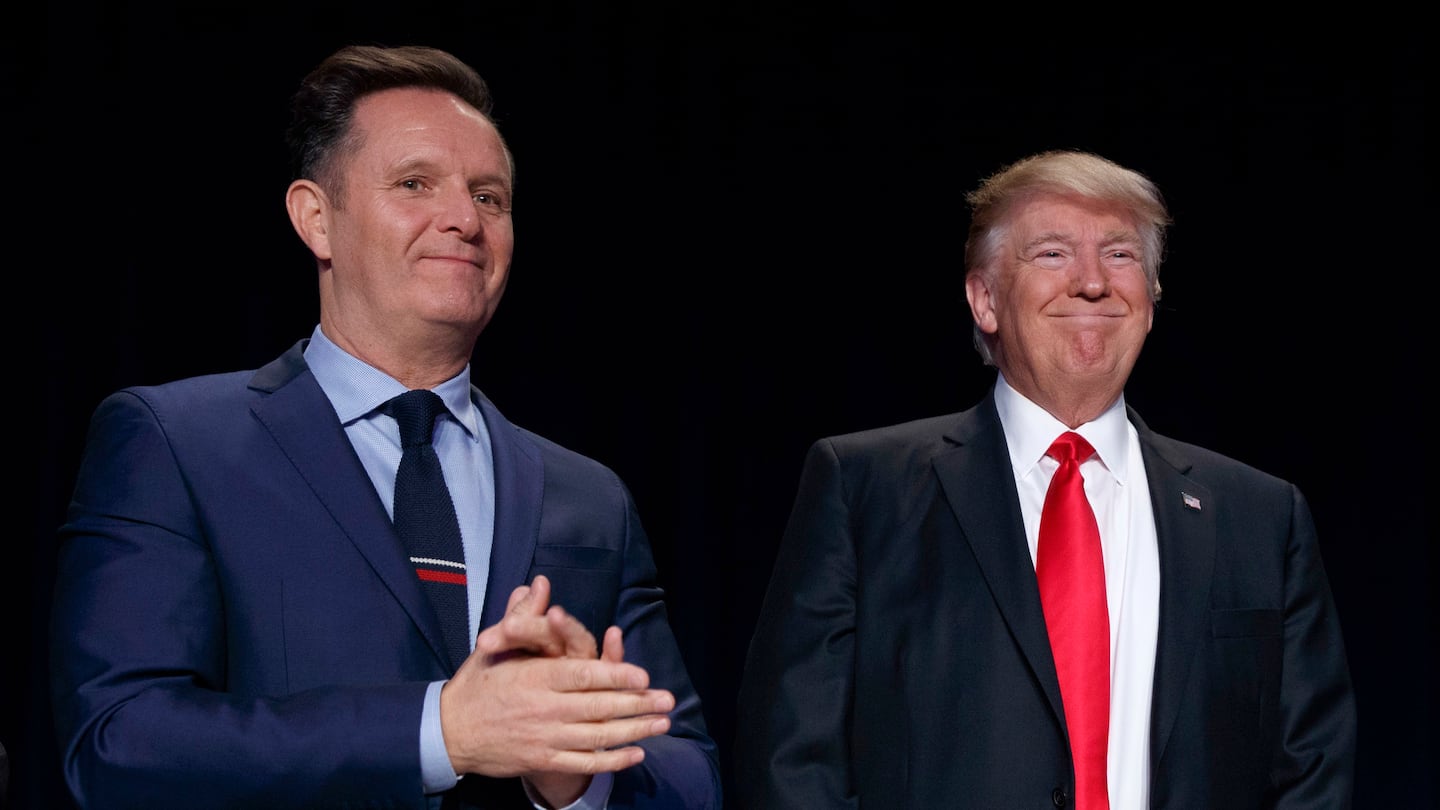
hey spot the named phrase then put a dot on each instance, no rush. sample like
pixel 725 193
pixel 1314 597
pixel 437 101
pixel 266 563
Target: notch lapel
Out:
pixel 519 485
pixel 1186 538
pixel 326 460
pixel 979 484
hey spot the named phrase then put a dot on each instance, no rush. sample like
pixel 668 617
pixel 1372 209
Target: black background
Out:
pixel 740 230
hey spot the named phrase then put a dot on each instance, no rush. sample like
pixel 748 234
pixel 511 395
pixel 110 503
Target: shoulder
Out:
pixel 921 431
pixel 925 436
pixel 561 466
pixel 894 452
pixel 1216 470
pixel 191 398
pixel 197 405
pixel 203 395
pixel 561 460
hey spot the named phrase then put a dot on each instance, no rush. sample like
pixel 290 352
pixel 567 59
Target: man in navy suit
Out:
pixel 236 623
pixel 903 655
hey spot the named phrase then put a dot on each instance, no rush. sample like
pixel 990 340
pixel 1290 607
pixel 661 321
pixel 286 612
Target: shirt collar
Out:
pixel 1030 430
pixel 356 388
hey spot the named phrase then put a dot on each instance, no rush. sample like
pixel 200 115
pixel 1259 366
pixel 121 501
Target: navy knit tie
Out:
pixel 425 517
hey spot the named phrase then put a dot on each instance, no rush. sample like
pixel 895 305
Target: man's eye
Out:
pixel 411 185
pixel 496 202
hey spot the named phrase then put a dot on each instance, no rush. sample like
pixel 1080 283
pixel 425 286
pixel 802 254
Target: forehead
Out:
pixel 408 124
pixel 1070 217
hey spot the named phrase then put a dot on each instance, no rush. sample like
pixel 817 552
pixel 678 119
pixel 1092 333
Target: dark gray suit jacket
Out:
pixel 901 657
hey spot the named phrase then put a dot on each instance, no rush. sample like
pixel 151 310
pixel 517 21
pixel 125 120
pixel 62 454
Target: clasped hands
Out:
pixel 537 699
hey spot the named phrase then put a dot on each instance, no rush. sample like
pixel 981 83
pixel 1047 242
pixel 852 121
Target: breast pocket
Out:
pixel 585 580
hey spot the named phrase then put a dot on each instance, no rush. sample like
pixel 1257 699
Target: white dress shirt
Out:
pixel 1119 493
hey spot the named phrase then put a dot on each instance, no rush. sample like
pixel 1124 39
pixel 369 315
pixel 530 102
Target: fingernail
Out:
pixel 660 726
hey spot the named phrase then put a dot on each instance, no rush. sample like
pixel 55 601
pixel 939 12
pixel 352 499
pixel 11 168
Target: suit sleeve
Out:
pixel 794 713
pixel 681 768
pixel 138 660
pixel 1315 765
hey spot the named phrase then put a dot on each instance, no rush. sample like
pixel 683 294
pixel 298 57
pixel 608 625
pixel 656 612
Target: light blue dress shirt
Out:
pixel 357 390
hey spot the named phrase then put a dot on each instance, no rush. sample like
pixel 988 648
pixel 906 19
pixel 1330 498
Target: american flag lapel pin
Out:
pixel 1190 501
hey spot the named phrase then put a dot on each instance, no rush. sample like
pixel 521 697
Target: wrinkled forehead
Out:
pixel 401 125
pixel 1069 215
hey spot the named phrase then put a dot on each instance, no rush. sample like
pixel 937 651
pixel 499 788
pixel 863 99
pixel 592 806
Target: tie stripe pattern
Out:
pixel 1071 571
pixel 425 518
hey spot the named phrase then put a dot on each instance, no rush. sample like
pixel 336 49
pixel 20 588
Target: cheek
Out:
pixel 500 235
pixel 375 237
pixel 1028 298
pixel 1132 284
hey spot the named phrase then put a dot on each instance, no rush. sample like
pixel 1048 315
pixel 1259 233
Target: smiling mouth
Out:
pixel 456 260
pixel 1090 315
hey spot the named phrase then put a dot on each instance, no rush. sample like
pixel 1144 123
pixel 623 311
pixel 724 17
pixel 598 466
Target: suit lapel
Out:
pixel 979 484
pixel 1185 530
pixel 326 460
pixel 977 480
pixel 519 483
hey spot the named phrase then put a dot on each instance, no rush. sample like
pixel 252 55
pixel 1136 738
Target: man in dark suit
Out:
pixel 906 653
pixel 236 623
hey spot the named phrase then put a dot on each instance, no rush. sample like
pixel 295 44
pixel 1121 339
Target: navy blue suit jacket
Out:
pixel 236 625
pixel 901 657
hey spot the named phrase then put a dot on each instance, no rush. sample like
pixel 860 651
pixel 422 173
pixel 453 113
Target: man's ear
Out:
pixel 309 210
pixel 982 303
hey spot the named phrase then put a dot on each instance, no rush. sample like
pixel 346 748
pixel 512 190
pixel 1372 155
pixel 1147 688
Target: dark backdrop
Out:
pixel 740 231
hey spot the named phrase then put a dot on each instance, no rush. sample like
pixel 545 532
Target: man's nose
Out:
pixel 456 213
pixel 1092 278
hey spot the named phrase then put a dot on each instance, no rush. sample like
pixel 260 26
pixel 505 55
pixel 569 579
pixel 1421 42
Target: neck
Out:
pixel 415 361
pixel 1073 405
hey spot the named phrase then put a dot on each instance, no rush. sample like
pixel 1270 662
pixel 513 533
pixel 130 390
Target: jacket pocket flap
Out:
pixel 578 557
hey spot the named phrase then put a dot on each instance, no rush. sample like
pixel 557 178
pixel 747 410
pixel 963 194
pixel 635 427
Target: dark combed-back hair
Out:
pixel 322 111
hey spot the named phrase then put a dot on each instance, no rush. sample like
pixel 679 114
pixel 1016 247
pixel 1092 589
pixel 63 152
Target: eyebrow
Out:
pixel 1110 238
pixel 427 166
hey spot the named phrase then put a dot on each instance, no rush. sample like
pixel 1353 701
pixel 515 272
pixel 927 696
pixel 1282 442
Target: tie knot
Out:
pixel 1070 446
pixel 415 411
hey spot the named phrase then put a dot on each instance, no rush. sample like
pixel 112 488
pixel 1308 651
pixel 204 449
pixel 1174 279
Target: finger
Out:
pixel 601 707
pixel 516 596
pixel 534 599
pixel 593 762
pixel 580 675
pixel 575 637
pixel 607 736
pixel 539 594
pixel 614 645
pixel 520 632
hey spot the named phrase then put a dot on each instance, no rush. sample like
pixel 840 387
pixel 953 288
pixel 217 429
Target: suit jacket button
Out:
pixel 1059 798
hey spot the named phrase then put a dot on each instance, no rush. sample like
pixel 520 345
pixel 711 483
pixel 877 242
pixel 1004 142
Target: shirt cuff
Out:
pixel 594 798
pixel 436 773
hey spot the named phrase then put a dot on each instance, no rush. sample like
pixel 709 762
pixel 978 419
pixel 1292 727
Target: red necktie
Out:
pixel 1071 571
